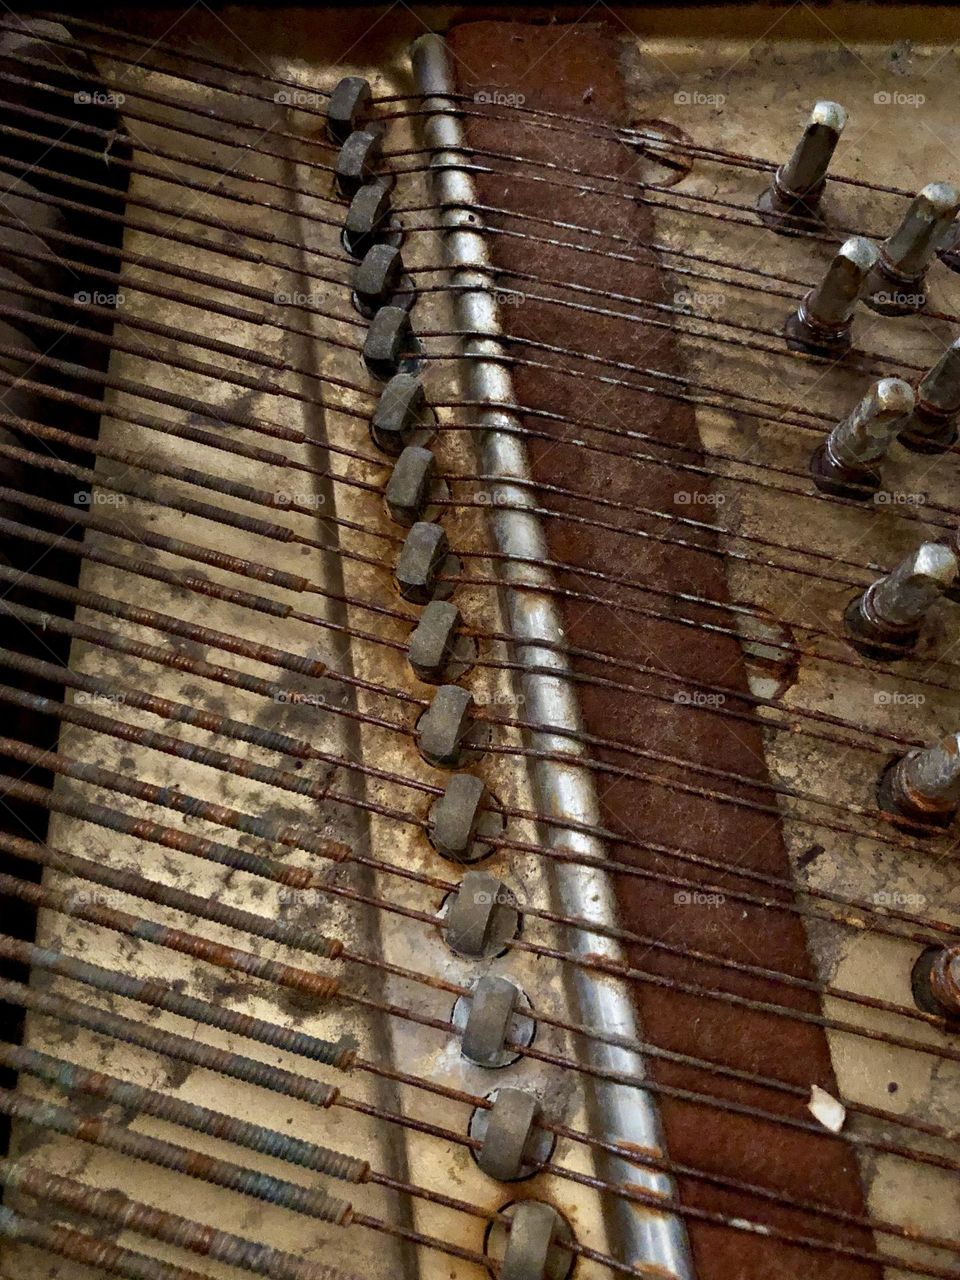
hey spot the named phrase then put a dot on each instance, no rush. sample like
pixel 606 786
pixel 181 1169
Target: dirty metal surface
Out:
pixel 746 92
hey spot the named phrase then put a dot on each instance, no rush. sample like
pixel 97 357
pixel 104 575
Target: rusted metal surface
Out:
pixel 306 829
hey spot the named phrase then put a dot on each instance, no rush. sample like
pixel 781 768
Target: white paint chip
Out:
pixel 826 1109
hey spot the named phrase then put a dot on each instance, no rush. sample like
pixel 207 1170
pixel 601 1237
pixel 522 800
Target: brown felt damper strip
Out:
pixel 574 68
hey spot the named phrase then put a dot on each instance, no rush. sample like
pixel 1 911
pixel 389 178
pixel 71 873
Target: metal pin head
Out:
pixel 845 465
pixel 790 203
pixel 348 107
pixel 822 323
pixel 357 161
pixel 935 982
pixel 368 220
pixel 380 281
pixel 896 284
pixel 884 622
pixel 923 786
pixel 932 427
pixel 390 343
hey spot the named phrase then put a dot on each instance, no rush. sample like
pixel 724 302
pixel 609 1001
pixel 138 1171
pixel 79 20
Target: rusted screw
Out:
pixel 845 465
pixel 924 784
pixel 897 283
pixel 932 427
pixel 884 622
pixel 790 203
pixel 822 323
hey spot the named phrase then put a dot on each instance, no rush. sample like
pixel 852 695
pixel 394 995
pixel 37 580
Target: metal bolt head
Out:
pixel 420 561
pixel 367 218
pixel 388 339
pixel 821 325
pixel 357 162
pixel 377 278
pixel 444 726
pixel 789 205
pixel 400 412
pixel 455 816
pixel 896 284
pixel 433 640
pixel 805 171
pixel 846 464
pixel 884 622
pixel 409 485
pixel 904 596
pixel 348 107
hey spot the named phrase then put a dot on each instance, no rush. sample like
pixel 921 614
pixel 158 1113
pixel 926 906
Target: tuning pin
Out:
pixel 790 203
pixel 932 427
pixel 821 325
pixel 935 981
pixel 949 249
pixel 348 107
pixel 845 465
pixel 884 622
pixel 924 785
pixel 897 283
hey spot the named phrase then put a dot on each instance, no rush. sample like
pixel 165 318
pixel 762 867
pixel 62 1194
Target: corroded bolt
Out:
pixel 432 641
pixel 884 622
pixel 935 981
pixel 379 281
pixel 455 817
pixel 389 340
pixel 481 917
pixel 948 250
pixel 821 325
pixel 443 728
pixel 348 107
pixel 932 427
pixel 789 203
pixel 896 284
pixel 924 784
pixel 846 463
pixel 401 411
pixel 368 218
pixel 408 489
pixel 420 561
pixel 357 161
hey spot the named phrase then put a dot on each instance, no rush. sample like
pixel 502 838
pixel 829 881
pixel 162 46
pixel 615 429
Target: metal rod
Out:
pixel 653 1237
pixel 111 1206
